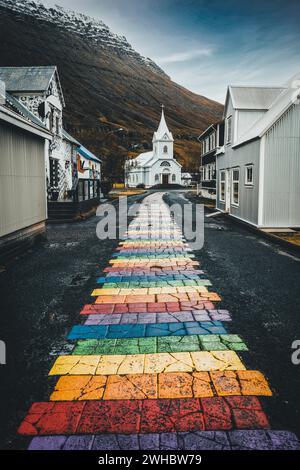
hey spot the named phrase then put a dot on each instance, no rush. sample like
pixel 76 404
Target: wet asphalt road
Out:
pixel 43 291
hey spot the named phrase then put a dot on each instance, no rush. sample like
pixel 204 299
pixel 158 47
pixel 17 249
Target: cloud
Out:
pixel 184 56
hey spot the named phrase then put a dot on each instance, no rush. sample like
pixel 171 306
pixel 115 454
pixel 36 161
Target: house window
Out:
pixel 156 177
pixel 54 173
pixel 165 149
pixel 229 130
pixel 249 175
pixel 213 139
pixel 165 164
pixel 57 125
pixel 222 185
pixel 235 186
pixel 173 177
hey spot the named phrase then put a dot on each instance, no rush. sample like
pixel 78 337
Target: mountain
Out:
pixel 107 84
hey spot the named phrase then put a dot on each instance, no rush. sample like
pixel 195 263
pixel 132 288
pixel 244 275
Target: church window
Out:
pixel 165 149
pixel 173 177
pixel 156 177
pixel 165 164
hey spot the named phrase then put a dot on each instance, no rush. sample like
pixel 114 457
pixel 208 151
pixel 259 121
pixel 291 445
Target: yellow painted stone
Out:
pixel 216 360
pixel 109 364
pixel 166 362
pixel 147 363
pixel 149 291
pixel 132 364
pixel 75 365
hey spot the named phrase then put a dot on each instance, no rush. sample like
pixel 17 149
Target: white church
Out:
pixel 157 166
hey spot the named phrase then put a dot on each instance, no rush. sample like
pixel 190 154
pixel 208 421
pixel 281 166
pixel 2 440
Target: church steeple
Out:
pixel 163 140
pixel 162 132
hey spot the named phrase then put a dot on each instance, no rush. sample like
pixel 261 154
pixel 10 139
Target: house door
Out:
pixel 227 190
pixel 165 179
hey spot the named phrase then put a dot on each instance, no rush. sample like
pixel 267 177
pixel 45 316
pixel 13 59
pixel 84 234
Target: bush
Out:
pixel 140 186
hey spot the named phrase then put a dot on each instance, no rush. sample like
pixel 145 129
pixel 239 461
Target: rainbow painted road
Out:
pixel 152 364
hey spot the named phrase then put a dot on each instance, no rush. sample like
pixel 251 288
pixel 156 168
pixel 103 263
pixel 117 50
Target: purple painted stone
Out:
pixel 128 441
pixel 203 440
pixel 250 439
pixel 79 443
pixel 199 440
pixel 106 442
pixel 149 441
pixel 284 440
pixel 47 443
pixel 169 441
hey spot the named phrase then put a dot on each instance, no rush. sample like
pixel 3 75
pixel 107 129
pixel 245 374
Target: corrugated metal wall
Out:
pixel 22 179
pixel 247 209
pixel 282 172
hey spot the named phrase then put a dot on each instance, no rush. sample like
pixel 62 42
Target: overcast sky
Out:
pixel 206 45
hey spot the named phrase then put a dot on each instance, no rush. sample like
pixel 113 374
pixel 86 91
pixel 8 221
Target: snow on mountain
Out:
pixel 91 29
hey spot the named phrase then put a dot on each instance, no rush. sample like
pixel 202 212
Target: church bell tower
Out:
pixel 163 140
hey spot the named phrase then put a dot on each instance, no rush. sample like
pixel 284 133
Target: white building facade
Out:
pixel 36 93
pixel 258 169
pixel 157 166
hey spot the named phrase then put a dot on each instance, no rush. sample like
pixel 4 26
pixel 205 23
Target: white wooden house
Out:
pixel 37 93
pixel 258 168
pixel 23 205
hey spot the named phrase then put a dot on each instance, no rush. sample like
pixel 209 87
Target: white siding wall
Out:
pixel 245 119
pixel 22 179
pixel 247 209
pixel 281 198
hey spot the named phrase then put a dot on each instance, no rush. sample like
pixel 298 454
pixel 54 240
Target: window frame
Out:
pixel 220 186
pixel 233 182
pixel 247 182
pixel 229 135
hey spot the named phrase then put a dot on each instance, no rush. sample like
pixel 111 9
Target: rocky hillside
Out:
pixel 106 83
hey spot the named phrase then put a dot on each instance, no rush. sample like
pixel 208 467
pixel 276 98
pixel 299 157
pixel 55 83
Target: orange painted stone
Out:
pixel 135 386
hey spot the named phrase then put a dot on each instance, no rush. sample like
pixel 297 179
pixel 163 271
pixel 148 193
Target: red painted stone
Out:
pixel 121 416
pixel 52 418
pixel 145 416
pixel 217 413
pixel 171 415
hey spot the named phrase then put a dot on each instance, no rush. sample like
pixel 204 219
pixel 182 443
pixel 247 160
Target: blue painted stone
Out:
pixel 145 278
pixel 88 332
pixel 145 330
pixel 126 331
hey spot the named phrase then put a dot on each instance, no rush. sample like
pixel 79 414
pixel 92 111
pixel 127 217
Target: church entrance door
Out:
pixel 165 179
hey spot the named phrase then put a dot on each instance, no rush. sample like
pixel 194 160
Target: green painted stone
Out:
pixel 160 344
